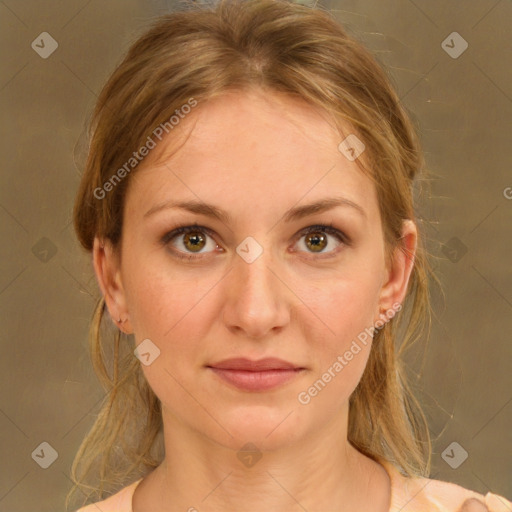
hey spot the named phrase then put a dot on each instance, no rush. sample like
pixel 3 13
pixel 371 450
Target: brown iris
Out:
pixel 194 241
pixel 316 241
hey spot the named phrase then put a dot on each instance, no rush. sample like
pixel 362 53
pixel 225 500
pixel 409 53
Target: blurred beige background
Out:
pixel 463 107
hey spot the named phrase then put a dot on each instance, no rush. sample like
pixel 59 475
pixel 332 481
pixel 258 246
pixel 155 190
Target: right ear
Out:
pixel 108 273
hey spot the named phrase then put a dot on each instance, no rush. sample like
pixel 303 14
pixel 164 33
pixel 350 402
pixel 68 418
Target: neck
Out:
pixel 317 473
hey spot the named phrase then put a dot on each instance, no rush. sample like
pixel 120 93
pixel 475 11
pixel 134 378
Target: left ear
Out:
pixel 400 268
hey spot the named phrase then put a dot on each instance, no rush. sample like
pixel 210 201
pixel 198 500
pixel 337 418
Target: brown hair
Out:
pixel 201 52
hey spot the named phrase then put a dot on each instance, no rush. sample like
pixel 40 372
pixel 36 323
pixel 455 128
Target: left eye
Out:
pixel 196 238
pixel 316 238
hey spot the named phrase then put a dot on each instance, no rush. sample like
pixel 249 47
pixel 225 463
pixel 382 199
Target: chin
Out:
pixel 266 427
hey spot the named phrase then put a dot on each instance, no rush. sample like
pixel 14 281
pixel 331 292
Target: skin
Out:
pixel 256 155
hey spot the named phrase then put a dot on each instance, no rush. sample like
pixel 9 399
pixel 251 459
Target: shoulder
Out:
pixel 430 495
pixel 119 502
pixel 439 496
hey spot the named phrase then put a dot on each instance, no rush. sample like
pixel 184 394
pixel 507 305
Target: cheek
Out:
pixel 163 303
pixel 172 311
pixel 175 310
pixel 340 335
pixel 344 307
pixel 339 360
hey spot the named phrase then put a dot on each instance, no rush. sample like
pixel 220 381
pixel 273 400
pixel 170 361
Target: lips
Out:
pixel 269 363
pixel 256 376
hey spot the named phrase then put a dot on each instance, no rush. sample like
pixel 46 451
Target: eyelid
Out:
pixel 327 228
pixel 183 228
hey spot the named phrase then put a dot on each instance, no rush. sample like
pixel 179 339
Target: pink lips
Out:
pixel 259 375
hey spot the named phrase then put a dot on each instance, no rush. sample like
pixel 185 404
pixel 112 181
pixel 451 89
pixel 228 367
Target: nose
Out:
pixel 257 300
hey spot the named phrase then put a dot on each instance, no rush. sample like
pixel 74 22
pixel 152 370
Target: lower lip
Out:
pixel 256 381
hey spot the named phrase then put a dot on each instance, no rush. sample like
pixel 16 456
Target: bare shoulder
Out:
pixel 425 494
pixel 416 494
pixel 457 498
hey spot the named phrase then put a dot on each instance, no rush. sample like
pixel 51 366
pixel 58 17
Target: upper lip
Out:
pixel 241 363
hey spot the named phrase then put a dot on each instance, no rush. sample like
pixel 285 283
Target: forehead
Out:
pixel 247 149
pixel 257 120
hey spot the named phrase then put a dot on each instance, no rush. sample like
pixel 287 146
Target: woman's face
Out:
pixel 257 285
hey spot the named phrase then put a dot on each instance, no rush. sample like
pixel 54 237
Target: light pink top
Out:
pixel 407 495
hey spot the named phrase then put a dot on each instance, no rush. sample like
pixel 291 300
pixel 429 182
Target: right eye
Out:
pixel 194 239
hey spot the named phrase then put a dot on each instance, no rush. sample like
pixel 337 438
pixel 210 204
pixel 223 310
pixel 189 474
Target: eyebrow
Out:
pixel 293 214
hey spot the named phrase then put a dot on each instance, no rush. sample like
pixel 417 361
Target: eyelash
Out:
pixel 180 230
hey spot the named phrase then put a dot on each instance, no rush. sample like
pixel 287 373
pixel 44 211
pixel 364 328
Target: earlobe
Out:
pixel 107 272
pixel 400 269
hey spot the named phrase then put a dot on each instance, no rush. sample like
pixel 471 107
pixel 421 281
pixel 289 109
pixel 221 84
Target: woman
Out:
pixel 247 201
